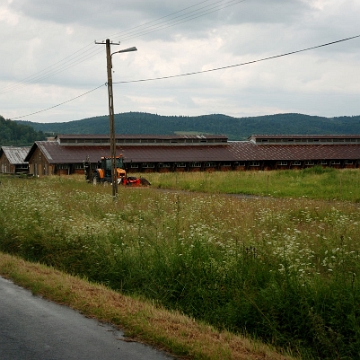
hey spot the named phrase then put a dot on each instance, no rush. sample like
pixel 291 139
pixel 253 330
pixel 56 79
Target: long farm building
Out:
pixel 65 154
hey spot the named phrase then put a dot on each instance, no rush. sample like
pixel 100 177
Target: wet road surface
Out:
pixel 32 328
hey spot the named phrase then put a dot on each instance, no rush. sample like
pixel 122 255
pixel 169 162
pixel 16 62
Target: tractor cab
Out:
pixel 106 162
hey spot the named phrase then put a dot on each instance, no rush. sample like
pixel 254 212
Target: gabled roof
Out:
pixel 305 139
pixel 57 154
pixel 140 140
pixel 145 136
pixel 234 151
pixel 249 151
pixel 15 155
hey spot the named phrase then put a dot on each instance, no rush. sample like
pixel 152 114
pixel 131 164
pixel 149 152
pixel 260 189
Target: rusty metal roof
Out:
pixel 177 154
pixel 57 154
pixel 308 139
pixel 248 151
pixel 233 151
pixel 145 136
pixel 102 140
pixel 15 155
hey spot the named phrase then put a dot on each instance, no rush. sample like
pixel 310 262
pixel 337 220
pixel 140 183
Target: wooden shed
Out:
pixel 12 160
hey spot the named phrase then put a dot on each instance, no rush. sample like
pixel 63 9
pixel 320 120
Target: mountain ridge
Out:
pixel 141 123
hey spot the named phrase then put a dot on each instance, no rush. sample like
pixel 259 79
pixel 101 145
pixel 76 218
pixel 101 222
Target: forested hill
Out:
pixel 233 128
pixel 12 133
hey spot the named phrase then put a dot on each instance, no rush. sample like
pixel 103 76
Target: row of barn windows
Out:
pixel 241 164
pixel 224 164
pixel 178 165
pixel 306 141
pixel 307 163
pixel 160 165
pixel 141 141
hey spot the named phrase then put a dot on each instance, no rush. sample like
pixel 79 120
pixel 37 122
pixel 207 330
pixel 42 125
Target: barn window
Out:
pixel 195 164
pixel 181 165
pixel 254 163
pixel 210 164
pixel 148 166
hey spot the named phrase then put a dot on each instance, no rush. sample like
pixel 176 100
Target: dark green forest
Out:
pixel 12 133
pixel 137 123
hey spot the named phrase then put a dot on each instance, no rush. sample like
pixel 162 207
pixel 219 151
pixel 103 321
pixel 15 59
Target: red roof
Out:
pixel 139 137
pixel 233 151
pixel 249 151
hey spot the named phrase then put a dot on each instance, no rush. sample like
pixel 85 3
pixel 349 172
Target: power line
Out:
pixel 84 54
pixel 46 72
pixel 193 15
pixel 147 24
pixel 240 64
pixel 203 71
pixel 64 102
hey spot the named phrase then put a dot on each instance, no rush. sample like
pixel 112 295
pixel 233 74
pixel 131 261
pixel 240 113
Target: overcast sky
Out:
pixel 49 57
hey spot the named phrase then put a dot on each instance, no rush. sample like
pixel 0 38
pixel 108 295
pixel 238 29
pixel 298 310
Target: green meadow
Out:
pixel 313 183
pixel 282 267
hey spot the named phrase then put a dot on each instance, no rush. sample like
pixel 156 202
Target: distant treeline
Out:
pixel 234 128
pixel 13 133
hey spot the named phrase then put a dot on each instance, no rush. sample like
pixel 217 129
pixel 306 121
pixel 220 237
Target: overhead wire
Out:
pixel 205 71
pixel 84 54
pixel 147 24
pixel 240 64
pixel 196 14
pixel 50 70
pixel 62 103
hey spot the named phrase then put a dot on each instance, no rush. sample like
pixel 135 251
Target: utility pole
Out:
pixel 112 121
pixel 108 44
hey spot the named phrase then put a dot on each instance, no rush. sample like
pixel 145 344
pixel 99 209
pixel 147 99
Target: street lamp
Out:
pixel 111 111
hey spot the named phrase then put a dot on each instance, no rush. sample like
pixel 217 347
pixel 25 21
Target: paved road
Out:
pixel 32 328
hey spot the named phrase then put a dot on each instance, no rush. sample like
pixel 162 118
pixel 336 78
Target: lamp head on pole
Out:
pixel 125 50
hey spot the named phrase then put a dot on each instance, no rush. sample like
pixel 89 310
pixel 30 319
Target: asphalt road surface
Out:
pixel 32 328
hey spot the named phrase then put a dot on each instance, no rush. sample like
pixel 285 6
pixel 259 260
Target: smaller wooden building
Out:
pixel 12 160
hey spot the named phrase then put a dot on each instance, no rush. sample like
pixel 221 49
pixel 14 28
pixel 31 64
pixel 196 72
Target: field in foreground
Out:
pixel 281 270
pixel 143 321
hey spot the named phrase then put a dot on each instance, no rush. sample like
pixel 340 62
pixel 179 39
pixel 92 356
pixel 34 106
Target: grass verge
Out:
pixel 142 320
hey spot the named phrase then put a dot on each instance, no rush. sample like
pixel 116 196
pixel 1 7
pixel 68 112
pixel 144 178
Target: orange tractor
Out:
pixel 102 174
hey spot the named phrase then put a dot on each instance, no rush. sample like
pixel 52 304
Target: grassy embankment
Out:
pixel 284 271
pixel 142 320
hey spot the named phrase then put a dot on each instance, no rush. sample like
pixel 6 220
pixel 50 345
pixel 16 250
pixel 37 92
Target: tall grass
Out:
pixel 314 183
pixel 283 270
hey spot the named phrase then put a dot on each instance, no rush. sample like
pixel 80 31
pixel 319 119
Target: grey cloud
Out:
pixel 49 31
pixel 196 19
